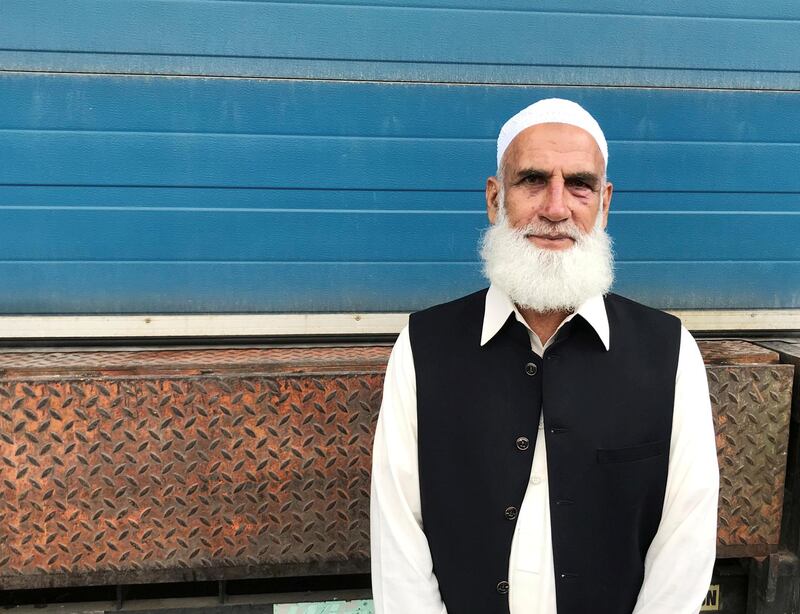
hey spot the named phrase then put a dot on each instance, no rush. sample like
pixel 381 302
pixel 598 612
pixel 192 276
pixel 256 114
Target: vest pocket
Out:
pixel 632 453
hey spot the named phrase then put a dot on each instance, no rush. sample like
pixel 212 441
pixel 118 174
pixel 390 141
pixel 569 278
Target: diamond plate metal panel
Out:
pixel 751 406
pixel 128 477
pixel 169 465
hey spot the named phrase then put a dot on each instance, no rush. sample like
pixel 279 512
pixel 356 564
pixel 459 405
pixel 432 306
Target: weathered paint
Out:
pixel 134 194
pixel 363 606
pixel 280 190
pixel 733 44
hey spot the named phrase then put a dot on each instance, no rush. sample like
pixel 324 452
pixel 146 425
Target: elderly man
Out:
pixel 544 445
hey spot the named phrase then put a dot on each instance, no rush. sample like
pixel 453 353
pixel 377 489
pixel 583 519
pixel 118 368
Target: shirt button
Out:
pixel 531 368
pixel 523 443
pixel 502 587
pixel 536 480
pixel 511 512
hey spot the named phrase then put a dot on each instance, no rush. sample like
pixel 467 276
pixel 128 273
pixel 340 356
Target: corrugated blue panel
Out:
pixel 181 287
pixel 363 163
pixel 740 46
pixel 365 236
pixel 269 199
pixel 264 107
pixel 126 194
pixel 710 9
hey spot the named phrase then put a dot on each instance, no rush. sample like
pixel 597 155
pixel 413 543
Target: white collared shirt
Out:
pixel 679 562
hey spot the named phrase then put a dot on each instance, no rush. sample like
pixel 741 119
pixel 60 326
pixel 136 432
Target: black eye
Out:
pixel 578 184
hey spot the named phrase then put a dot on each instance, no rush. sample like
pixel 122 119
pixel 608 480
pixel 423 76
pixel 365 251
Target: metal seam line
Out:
pixel 298 324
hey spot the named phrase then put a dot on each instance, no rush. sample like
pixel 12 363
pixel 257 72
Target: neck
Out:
pixel 543 323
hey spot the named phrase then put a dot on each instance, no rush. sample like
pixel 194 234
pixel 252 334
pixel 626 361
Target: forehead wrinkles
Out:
pixel 555 145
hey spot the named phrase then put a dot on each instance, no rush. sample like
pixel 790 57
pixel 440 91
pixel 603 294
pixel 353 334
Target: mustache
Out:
pixel 551 230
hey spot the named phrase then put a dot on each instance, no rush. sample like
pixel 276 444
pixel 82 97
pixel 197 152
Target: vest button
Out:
pixel 531 368
pixel 511 512
pixel 523 443
pixel 502 587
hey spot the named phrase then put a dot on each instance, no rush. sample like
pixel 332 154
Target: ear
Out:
pixel 492 201
pixel 608 192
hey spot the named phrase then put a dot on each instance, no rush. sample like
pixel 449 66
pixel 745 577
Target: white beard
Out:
pixel 543 279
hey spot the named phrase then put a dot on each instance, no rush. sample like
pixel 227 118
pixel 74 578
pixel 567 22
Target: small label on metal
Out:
pixel 363 606
pixel 711 603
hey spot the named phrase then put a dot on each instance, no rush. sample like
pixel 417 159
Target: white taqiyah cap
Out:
pixel 550 111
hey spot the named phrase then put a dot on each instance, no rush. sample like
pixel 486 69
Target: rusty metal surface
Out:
pixel 789 351
pixel 751 407
pixel 735 352
pixel 152 478
pixel 194 360
pixel 145 466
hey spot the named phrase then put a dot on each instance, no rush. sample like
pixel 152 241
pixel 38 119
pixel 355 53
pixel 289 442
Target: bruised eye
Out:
pixel 579 186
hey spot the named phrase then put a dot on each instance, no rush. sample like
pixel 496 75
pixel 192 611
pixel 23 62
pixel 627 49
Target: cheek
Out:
pixel 522 220
pixel 587 216
pixel 584 220
pixel 525 205
pixel 517 214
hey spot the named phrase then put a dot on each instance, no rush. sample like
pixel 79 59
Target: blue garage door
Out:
pixel 215 156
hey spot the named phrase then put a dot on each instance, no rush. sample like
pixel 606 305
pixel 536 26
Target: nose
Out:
pixel 554 207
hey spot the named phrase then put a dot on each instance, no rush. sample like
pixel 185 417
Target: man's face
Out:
pixel 552 174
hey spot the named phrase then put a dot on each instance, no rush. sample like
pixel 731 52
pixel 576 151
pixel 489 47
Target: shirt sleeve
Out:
pixel 680 560
pixel 402 569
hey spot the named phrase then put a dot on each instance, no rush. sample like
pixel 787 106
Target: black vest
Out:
pixel 608 420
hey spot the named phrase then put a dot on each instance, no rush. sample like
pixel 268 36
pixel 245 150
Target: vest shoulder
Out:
pixel 630 311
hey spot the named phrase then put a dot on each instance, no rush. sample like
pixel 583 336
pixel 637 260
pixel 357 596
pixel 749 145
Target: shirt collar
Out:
pixel 498 307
